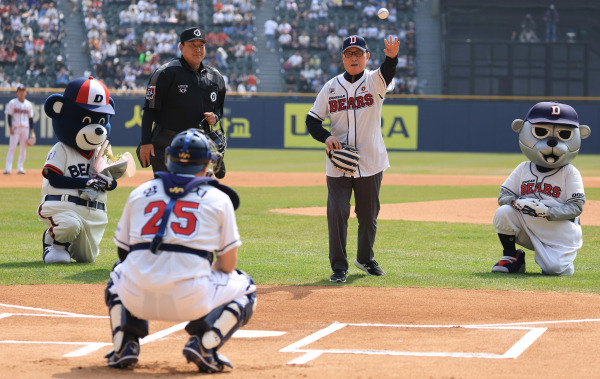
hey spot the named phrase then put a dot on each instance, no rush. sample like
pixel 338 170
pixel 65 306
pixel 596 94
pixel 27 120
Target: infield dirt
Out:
pixel 62 331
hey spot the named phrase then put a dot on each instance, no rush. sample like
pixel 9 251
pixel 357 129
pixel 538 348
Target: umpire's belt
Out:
pixel 76 200
pixel 174 248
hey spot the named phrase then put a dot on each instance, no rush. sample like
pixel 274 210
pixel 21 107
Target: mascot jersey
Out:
pixel 553 188
pixel 66 161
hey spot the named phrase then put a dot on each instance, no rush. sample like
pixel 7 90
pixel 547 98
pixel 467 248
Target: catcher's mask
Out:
pixel 189 153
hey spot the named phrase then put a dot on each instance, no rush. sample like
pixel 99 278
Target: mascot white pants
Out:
pixel 78 226
pixel 555 242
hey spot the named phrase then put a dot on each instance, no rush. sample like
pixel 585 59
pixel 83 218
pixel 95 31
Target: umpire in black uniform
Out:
pixel 180 94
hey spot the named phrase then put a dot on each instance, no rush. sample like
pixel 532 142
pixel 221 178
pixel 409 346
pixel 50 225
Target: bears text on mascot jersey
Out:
pixel 73 193
pixel 540 202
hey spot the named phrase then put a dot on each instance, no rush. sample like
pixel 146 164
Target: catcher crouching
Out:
pixel 540 202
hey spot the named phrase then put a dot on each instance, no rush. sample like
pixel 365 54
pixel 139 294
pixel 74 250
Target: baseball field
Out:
pixel 438 311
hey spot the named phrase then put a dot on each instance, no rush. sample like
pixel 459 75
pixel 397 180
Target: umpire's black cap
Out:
pixel 192 34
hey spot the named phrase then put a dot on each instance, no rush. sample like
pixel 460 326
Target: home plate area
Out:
pixel 469 341
pixel 318 332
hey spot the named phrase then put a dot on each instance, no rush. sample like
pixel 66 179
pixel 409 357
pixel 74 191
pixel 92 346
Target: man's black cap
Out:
pixel 192 34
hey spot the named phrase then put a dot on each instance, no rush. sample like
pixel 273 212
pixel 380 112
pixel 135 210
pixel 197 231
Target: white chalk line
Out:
pixel 90 347
pixel 512 353
pixel 48 310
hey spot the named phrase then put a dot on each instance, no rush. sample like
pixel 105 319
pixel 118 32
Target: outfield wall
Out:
pixel 423 124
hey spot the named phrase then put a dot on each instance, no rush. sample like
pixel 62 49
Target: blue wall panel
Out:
pixel 415 125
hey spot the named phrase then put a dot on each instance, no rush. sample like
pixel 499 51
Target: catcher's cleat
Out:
pixel 207 360
pixel 511 265
pixel 126 357
pixel 371 268
pixel 338 276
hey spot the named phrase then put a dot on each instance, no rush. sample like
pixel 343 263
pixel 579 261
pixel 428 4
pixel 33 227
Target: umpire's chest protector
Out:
pixel 182 96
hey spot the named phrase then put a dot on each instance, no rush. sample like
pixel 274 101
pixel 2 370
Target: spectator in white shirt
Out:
pixel 270 30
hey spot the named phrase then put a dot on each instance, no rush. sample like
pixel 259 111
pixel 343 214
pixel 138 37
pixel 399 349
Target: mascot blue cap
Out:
pixel 553 113
pixel 90 94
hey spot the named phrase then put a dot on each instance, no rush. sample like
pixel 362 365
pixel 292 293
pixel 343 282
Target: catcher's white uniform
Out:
pixel 169 285
pixel 20 112
pixel 355 113
pixel 555 242
pixel 80 225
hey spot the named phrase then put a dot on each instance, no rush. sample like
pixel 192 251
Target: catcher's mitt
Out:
pixel 31 140
pixel 345 159
pixel 531 207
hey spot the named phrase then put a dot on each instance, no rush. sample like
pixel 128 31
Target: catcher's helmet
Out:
pixel 189 153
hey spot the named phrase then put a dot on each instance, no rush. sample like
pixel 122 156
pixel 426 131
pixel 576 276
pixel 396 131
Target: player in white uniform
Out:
pixel 166 237
pixel 20 121
pixel 550 137
pixel 353 102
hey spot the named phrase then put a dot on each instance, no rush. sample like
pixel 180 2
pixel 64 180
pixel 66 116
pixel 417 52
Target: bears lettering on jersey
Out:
pixel 358 102
pixel 78 170
pixel 528 188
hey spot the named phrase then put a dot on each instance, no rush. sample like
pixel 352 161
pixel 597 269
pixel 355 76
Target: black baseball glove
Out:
pixel 345 159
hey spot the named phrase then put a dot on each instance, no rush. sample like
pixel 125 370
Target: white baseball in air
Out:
pixel 382 13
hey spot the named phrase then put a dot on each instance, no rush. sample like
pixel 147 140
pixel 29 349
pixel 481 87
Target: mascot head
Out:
pixel 80 116
pixel 550 135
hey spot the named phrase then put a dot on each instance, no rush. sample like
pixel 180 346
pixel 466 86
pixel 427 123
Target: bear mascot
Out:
pixel 540 202
pixel 77 173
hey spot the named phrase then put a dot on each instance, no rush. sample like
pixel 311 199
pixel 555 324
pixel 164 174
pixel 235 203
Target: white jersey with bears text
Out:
pixel 20 112
pixel 203 219
pixel 553 188
pixel 69 162
pixel 355 113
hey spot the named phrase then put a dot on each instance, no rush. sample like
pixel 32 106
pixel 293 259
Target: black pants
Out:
pixel 366 198
pixel 161 140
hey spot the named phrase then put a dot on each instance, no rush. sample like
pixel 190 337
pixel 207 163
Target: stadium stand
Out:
pixel 326 24
pixel 129 39
pixel 488 53
pixel 30 42
pixel 141 35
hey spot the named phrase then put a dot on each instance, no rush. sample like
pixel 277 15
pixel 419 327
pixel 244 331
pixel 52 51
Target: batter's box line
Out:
pixel 310 354
pixel 90 347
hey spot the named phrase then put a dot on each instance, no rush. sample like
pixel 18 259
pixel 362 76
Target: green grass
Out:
pixel 292 250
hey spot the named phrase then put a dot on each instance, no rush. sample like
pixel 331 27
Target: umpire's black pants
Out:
pixel 366 199
pixel 161 141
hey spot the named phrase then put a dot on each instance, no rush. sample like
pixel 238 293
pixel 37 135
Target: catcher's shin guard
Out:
pixel 220 324
pixel 126 331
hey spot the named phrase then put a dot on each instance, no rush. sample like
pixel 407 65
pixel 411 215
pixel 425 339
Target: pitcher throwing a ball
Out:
pixel 356 150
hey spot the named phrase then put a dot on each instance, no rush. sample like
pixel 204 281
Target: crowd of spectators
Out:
pixel 31 34
pixel 309 34
pixel 129 39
